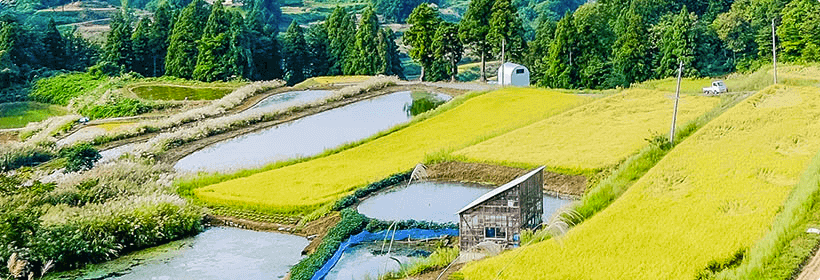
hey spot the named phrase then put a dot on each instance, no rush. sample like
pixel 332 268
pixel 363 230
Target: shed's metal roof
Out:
pixel 500 189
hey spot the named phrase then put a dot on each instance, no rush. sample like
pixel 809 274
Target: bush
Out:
pixel 351 199
pixel 80 157
pixel 352 223
pixel 375 225
pixel 13 156
pixel 62 88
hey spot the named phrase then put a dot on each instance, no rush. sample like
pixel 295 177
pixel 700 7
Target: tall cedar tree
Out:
pixel 341 32
pixel 474 28
pixel 239 57
pixel 264 48
pixel 631 57
pixel 363 61
pixel 214 47
pixel 54 45
pixel 8 69
pixel 506 26
pixel 594 39
pixel 118 50
pixel 317 44
pixel 183 49
pixel 447 46
pixel 142 48
pixel 677 44
pixel 424 20
pixel 539 50
pixel 294 50
pixel 389 53
pixel 160 31
pixel 562 69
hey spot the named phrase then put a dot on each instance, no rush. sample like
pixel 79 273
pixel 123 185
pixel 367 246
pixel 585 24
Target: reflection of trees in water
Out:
pixel 422 104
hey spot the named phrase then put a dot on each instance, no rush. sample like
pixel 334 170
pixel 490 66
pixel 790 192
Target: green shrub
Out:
pixel 352 223
pixel 376 225
pixel 116 107
pixel 62 88
pixel 80 157
pixel 353 198
pixel 14 156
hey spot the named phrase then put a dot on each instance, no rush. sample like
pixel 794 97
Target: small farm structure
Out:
pixel 501 214
pixel 513 74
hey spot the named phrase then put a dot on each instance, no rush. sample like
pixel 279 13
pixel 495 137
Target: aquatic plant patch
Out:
pixel 712 197
pixel 594 136
pixel 304 186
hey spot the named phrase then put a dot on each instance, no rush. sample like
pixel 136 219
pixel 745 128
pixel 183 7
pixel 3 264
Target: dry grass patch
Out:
pixel 306 185
pixel 593 136
pixel 711 197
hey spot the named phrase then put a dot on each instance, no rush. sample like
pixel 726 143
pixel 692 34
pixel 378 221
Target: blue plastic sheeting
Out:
pixel 366 236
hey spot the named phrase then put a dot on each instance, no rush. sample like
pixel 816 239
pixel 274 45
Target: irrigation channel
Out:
pixel 311 135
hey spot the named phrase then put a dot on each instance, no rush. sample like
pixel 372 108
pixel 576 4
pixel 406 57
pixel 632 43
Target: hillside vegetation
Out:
pixel 18 114
pixel 702 205
pixel 304 186
pixel 593 136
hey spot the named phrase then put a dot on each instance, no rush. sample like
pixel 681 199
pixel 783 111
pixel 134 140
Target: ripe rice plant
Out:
pixel 707 201
pixel 594 136
pixel 304 186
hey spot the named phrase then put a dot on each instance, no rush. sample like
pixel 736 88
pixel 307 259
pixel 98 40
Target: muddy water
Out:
pixel 307 136
pixel 433 201
pixel 366 261
pixel 218 253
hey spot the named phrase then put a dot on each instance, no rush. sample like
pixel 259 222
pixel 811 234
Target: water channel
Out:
pixel 217 253
pixel 310 135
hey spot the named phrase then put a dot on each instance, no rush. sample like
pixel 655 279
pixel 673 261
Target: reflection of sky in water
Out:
pixel 115 153
pixel 304 137
pixel 219 253
pixel 290 99
pixel 433 201
pixel 359 262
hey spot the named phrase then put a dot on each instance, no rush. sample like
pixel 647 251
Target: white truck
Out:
pixel 717 87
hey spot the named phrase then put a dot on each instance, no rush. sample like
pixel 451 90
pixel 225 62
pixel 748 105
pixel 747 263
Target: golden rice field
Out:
pixel 594 136
pixel 714 194
pixel 327 80
pixel 306 185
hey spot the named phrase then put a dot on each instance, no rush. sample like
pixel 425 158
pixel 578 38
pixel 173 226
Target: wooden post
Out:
pixel 675 112
pixel 774 53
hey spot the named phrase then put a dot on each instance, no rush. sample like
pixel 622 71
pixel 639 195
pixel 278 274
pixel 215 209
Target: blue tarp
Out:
pixel 366 236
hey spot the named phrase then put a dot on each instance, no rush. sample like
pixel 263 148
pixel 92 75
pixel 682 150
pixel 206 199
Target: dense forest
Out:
pixel 601 44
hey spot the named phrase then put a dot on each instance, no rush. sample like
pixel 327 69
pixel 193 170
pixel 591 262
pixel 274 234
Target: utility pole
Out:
pixel 503 71
pixel 774 53
pixel 675 112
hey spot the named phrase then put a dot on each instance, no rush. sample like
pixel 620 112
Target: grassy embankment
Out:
pixel 18 114
pixel 711 197
pixel 592 137
pixel 330 80
pixel 173 92
pixel 302 186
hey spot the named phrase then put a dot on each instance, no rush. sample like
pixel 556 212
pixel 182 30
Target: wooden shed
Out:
pixel 501 214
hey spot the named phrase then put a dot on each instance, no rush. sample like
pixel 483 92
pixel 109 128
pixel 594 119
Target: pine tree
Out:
pixel 506 26
pixel 424 20
pixel 363 62
pixel 214 47
pixel 294 50
pixel 474 28
pixel 317 45
pixel 142 48
pixel 341 35
pixel 447 46
pixel 117 49
pixel 183 49
pixel 55 47
pixel 562 71
pixel 160 31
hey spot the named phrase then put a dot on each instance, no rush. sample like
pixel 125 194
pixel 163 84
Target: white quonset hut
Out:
pixel 511 74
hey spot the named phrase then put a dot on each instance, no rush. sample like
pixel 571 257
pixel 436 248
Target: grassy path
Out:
pixel 307 185
pixel 711 197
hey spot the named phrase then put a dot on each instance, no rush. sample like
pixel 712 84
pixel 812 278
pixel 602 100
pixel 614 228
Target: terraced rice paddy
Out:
pixel 712 196
pixel 307 185
pixel 19 114
pixel 173 92
pixel 593 136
